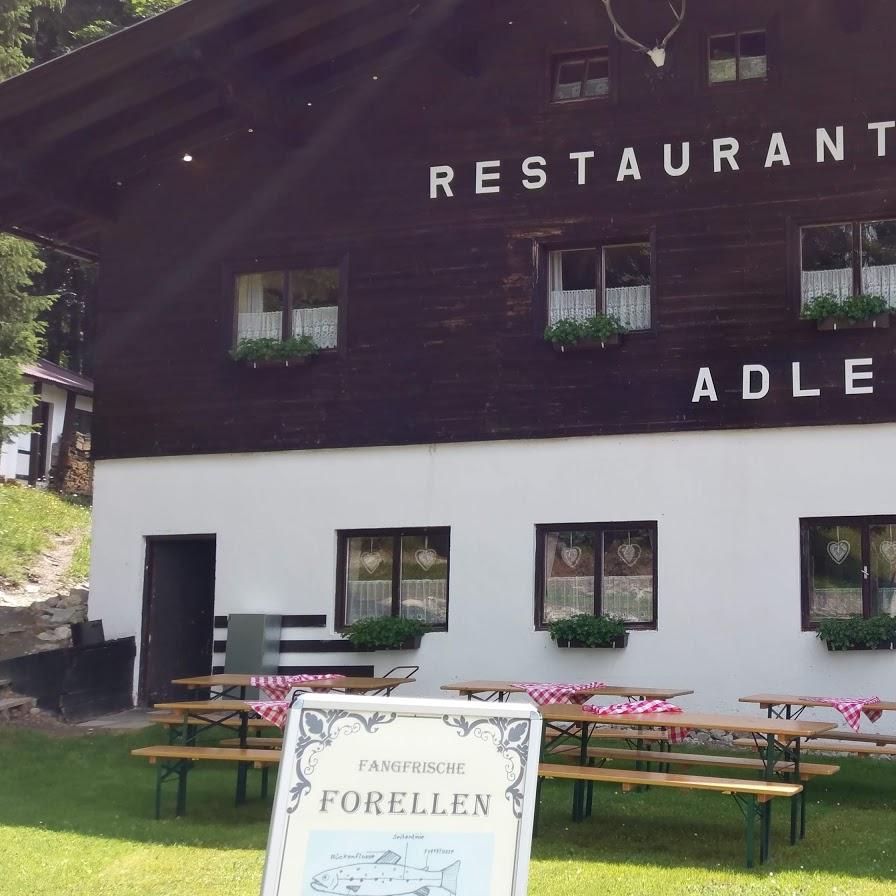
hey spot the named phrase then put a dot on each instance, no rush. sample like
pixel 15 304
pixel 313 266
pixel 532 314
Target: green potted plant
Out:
pixel 856 633
pixel 275 352
pixel 830 312
pixel 589 631
pixel 386 633
pixel 598 331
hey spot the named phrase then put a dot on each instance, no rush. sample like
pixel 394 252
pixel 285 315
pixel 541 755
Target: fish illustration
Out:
pixel 387 876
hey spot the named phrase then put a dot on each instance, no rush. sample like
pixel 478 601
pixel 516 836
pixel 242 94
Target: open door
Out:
pixel 178 614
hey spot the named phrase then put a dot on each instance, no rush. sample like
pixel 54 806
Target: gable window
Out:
pixel 612 280
pixel 393 572
pixel 848 568
pixel 603 569
pixel 741 56
pixel 849 259
pixel 289 304
pixel 582 76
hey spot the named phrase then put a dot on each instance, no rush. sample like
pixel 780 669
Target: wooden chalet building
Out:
pixel 421 187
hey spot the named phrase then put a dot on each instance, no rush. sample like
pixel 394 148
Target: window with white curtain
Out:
pixel 612 280
pixel 847 259
pixel 289 304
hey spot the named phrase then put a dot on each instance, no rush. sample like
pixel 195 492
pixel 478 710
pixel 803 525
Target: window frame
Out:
pixel 598 529
pixel 796 226
pixel 342 539
pixel 542 296
pixel 738 82
pixel 284 264
pixel 556 59
pixel 864 524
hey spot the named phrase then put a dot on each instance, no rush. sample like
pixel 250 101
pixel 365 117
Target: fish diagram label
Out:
pixel 411 865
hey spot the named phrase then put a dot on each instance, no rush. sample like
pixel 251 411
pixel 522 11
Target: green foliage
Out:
pixel 842 634
pixel 384 632
pixel 593 329
pixel 860 307
pixel 20 329
pixel 275 349
pixel 592 631
pixel 29 520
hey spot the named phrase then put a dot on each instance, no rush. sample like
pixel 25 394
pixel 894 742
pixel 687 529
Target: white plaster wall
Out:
pixel 11 462
pixel 728 506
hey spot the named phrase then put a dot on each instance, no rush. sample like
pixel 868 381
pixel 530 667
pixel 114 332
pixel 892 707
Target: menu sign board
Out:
pixel 393 797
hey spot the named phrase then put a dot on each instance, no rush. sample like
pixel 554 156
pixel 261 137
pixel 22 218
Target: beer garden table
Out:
pixel 782 736
pixel 789 706
pixel 499 691
pixel 234 686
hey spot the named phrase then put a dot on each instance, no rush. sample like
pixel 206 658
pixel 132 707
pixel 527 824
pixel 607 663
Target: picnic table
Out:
pixel 499 691
pixel 231 685
pixel 790 706
pixel 780 739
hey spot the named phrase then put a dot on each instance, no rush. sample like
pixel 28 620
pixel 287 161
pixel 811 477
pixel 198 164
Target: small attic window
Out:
pixel 581 76
pixel 738 57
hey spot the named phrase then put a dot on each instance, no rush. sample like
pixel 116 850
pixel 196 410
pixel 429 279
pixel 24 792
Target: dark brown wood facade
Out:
pixel 445 304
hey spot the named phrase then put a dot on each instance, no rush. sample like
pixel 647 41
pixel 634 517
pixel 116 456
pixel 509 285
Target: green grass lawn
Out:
pixel 76 818
pixel 29 518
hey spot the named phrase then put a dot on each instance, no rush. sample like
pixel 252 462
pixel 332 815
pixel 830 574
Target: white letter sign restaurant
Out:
pixel 402 797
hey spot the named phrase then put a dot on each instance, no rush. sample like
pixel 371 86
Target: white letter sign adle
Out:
pixel 401 797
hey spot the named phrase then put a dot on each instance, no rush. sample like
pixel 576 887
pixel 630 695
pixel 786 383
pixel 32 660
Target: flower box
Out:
pixel 883 645
pixel 408 644
pixel 878 322
pixel 588 345
pixel 279 362
pixel 616 643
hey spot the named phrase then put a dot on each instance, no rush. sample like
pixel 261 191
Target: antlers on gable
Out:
pixel 658 53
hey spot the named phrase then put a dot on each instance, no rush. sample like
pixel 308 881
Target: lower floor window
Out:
pixel 394 572
pixel 604 569
pixel 848 568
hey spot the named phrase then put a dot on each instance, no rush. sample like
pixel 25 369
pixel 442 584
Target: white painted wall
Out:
pixel 12 463
pixel 728 506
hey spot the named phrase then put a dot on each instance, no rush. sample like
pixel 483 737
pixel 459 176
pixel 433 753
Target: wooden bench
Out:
pixel 826 746
pixel 753 797
pixel 880 740
pixel 256 743
pixel 176 760
pixel 173 720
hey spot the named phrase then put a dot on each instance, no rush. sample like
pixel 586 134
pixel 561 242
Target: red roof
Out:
pixel 48 372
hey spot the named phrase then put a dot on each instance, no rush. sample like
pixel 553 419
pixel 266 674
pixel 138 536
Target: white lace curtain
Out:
pixel 253 322
pixel 877 280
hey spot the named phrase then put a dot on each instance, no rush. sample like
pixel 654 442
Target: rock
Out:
pixel 65 615
pixel 79 593
pixel 13 630
pixel 32 589
pixel 34 711
pixel 62 633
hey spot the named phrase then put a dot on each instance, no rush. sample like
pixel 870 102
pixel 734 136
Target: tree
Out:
pixel 20 329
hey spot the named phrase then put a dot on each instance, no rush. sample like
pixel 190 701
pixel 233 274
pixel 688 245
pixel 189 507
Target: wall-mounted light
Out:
pixel 187 157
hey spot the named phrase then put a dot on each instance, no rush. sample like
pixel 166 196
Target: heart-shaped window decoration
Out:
pixel 371 561
pixel 838 551
pixel 571 556
pixel 426 558
pixel 629 553
pixel 888 552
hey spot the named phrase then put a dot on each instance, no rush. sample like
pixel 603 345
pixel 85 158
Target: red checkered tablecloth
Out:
pixel 552 694
pixel 278 686
pixel 851 708
pixel 274 712
pixel 640 707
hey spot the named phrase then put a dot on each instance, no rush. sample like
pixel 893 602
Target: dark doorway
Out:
pixel 42 415
pixel 178 614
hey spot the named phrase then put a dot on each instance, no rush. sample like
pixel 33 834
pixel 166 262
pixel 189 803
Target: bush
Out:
pixel 860 307
pixel 275 349
pixel 592 631
pixel 841 634
pixel 384 632
pixel 569 331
